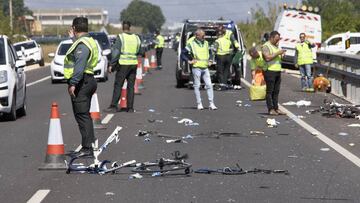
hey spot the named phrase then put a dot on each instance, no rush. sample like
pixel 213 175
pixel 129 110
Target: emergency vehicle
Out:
pixel 293 21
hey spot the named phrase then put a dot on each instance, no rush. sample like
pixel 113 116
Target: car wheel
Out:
pixel 12 115
pixel 42 63
pixel 22 110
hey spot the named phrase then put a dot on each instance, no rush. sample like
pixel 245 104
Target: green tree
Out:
pixel 143 14
pixel 4 24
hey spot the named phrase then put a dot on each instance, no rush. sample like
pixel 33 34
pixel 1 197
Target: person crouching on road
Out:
pixel 197 53
pixel 272 55
pixel 304 62
pixel 222 49
pixel 258 66
pixel 79 63
pixel 159 47
pixel 124 61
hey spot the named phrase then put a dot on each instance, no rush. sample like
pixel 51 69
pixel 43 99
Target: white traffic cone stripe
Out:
pixel 94 104
pixel 55 133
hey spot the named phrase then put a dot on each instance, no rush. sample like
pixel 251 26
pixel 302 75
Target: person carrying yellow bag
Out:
pixel 258 65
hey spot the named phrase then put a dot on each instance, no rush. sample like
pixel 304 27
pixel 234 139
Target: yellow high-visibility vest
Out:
pixel 275 64
pixel 161 41
pixel 201 54
pixel 224 47
pixel 305 55
pixel 130 45
pixel 69 62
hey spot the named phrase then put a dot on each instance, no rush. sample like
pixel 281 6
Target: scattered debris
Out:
pixel 354 125
pixel 151 110
pixel 325 149
pixel 254 132
pixel 292 156
pixel 351 144
pixel 315 133
pixel 143 133
pixel 298 103
pixel 300 116
pixel 188 137
pixel 156 174
pixel 110 193
pixel 147 139
pixel 239 171
pixel 247 105
pixel 343 134
pixel 174 117
pixel 176 141
pixel 135 176
pixel 187 122
pixel 155 121
pixel 334 109
pixel 271 122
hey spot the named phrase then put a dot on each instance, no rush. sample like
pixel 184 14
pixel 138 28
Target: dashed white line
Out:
pixel 107 118
pixel 38 196
pixel 38 81
pixel 341 150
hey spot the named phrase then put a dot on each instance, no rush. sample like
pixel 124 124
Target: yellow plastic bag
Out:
pixel 257 92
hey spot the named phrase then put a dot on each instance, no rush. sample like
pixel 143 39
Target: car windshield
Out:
pixel 26 45
pixel 63 49
pixel 210 30
pixel 102 39
pixel 2 52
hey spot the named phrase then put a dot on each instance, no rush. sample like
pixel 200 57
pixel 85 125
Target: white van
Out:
pixel 336 43
pixel 290 23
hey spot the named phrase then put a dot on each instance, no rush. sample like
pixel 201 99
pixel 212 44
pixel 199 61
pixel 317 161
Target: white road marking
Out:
pixel 38 81
pixel 341 150
pixel 107 118
pixel 78 148
pixel 38 196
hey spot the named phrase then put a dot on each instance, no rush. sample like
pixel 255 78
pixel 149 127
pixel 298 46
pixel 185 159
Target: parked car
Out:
pixel 30 51
pixel 57 64
pixel 12 81
pixel 103 40
pixel 337 43
pixel 183 69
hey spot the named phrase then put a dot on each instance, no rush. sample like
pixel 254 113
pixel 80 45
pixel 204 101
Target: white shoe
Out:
pixel 200 107
pixel 212 106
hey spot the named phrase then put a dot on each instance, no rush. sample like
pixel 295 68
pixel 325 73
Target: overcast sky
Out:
pixel 174 10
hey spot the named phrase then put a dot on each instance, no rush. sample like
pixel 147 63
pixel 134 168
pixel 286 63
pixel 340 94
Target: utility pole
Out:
pixel 11 15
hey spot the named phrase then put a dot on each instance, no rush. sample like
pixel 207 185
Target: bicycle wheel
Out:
pixel 162 166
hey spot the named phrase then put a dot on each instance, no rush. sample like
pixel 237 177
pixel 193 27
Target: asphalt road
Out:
pixel 317 172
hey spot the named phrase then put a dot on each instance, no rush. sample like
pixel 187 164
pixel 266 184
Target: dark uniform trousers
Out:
pixel 81 107
pixel 223 63
pixel 159 52
pixel 273 80
pixel 127 72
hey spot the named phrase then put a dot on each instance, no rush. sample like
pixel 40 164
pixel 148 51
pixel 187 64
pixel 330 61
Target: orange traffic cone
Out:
pixel 153 61
pixel 95 112
pixel 138 81
pixel 146 64
pixel 55 158
pixel 123 98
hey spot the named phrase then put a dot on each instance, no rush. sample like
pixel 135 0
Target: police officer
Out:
pixel 222 48
pixel 272 55
pixel 304 62
pixel 124 62
pixel 197 53
pixel 235 45
pixel 80 60
pixel 159 47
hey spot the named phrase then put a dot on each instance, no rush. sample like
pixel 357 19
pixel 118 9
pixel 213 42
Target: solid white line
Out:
pixel 107 118
pixel 38 196
pixel 38 81
pixel 341 150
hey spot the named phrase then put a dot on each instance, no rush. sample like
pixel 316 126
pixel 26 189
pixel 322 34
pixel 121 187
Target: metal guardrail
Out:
pixel 343 71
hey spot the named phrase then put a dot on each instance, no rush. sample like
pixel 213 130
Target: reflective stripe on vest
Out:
pixel 304 54
pixel 161 41
pixel 224 46
pixel 201 54
pixel 69 62
pixel 275 64
pixel 130 45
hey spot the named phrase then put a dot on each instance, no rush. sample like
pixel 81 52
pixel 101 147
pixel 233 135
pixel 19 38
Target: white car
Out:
pixel 337 43
pixel 57 64
pixel 30 51
pixel 12 81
